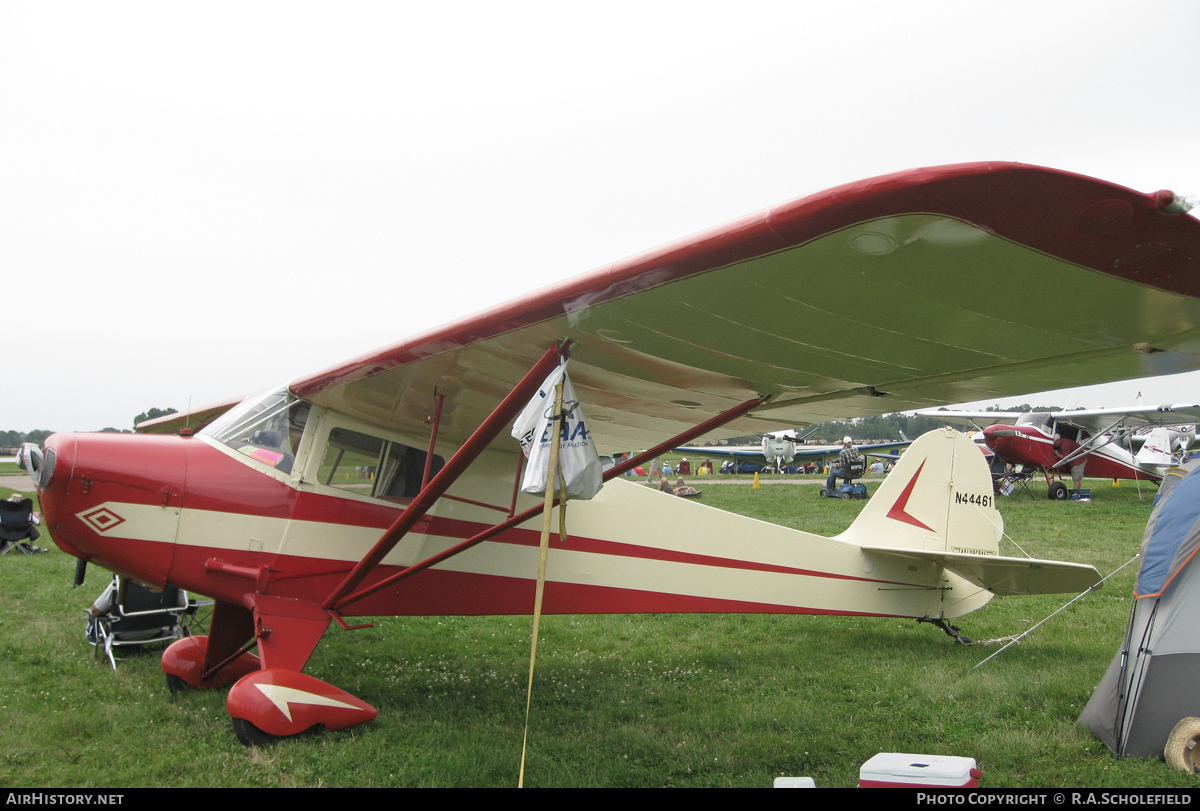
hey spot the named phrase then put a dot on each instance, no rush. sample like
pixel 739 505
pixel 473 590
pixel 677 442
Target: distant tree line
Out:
pixel 886 427
pixel 1025 408
pixel 883 427
pixel 10 440
pixel 14 439
pixel 153 413
pixel 149 414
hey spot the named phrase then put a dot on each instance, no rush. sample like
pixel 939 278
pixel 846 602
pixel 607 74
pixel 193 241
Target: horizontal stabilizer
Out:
pixel 1004 576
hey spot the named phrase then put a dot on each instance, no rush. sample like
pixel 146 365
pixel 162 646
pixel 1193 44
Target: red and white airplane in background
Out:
pixel 1139 442
pixel 388 485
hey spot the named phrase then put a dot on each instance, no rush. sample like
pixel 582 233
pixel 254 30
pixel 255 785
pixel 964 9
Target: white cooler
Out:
pixel 898 770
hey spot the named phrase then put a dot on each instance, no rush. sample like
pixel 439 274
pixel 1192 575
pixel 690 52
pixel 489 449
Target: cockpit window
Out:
pixel 266 428
pixel 372 466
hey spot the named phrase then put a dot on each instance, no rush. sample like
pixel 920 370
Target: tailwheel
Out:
pixel 951 630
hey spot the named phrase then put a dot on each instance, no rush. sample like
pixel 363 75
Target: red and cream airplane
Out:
pixel 1139 442
pixel 387 485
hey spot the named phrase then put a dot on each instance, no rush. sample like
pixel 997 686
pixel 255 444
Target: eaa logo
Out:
pixel 568 433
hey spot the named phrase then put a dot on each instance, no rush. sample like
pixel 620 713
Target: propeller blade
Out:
pixel 30 458
pixel 80 572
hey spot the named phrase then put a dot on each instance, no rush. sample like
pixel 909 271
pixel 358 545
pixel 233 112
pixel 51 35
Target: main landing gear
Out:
pixel 250 735
pixel 269 704
pixel 1058 492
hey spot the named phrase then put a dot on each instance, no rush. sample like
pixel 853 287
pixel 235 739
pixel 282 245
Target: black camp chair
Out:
pixel 138 616
pixel 16 527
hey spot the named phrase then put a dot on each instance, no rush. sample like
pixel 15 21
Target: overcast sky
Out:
pixel 200 200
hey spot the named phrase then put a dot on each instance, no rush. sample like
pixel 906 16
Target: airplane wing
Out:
pixel 780 304
pixel 1102 419
pixel 723 451
pixel 1002 575
pixel 824 451
pixel 979 419
pixel 194 419
pixel 802 451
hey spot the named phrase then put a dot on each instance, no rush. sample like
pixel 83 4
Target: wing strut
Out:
pixel 337 602
pixel 440 397
pixel 1093 444
pixel 497 421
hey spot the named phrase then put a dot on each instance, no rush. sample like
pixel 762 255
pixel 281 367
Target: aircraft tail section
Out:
pixel 1156 450
pixel 937 507
pixel 938 497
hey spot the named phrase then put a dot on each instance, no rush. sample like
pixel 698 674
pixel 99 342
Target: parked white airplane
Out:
pixel 1138 442
pixel 779 449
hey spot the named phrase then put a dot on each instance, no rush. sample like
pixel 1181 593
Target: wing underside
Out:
pixel 784 304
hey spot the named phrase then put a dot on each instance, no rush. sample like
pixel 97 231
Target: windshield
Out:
pixel 1039 418
pixel 266 428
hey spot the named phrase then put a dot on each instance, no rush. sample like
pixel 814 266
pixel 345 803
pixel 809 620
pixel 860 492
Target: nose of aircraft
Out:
pixel 114 499
pixel 53 477
pixel 992 435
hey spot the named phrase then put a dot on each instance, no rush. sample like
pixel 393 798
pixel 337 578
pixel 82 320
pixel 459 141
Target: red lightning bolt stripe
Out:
pixel 897 511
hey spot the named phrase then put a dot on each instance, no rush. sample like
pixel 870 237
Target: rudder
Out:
pixel 939 498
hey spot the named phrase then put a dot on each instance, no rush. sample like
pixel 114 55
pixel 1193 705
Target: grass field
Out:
pixel 664 700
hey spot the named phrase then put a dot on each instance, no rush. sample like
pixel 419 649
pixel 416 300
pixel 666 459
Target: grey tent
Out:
pixel 1154 679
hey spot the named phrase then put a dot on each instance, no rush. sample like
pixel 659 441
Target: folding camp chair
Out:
pixel 1012 483
pixel 137 616
pixel 16 527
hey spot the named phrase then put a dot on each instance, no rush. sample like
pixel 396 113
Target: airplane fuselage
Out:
pixel 276 535
pixel 193 513
pixel 1034 446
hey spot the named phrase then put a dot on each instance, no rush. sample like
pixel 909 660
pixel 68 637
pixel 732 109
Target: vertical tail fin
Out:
pixel 1156 450
pixel 938 498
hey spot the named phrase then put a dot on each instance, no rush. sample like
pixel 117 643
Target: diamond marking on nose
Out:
pixel 101 519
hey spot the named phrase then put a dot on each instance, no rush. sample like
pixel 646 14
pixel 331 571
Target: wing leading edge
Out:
pixel 1095 419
